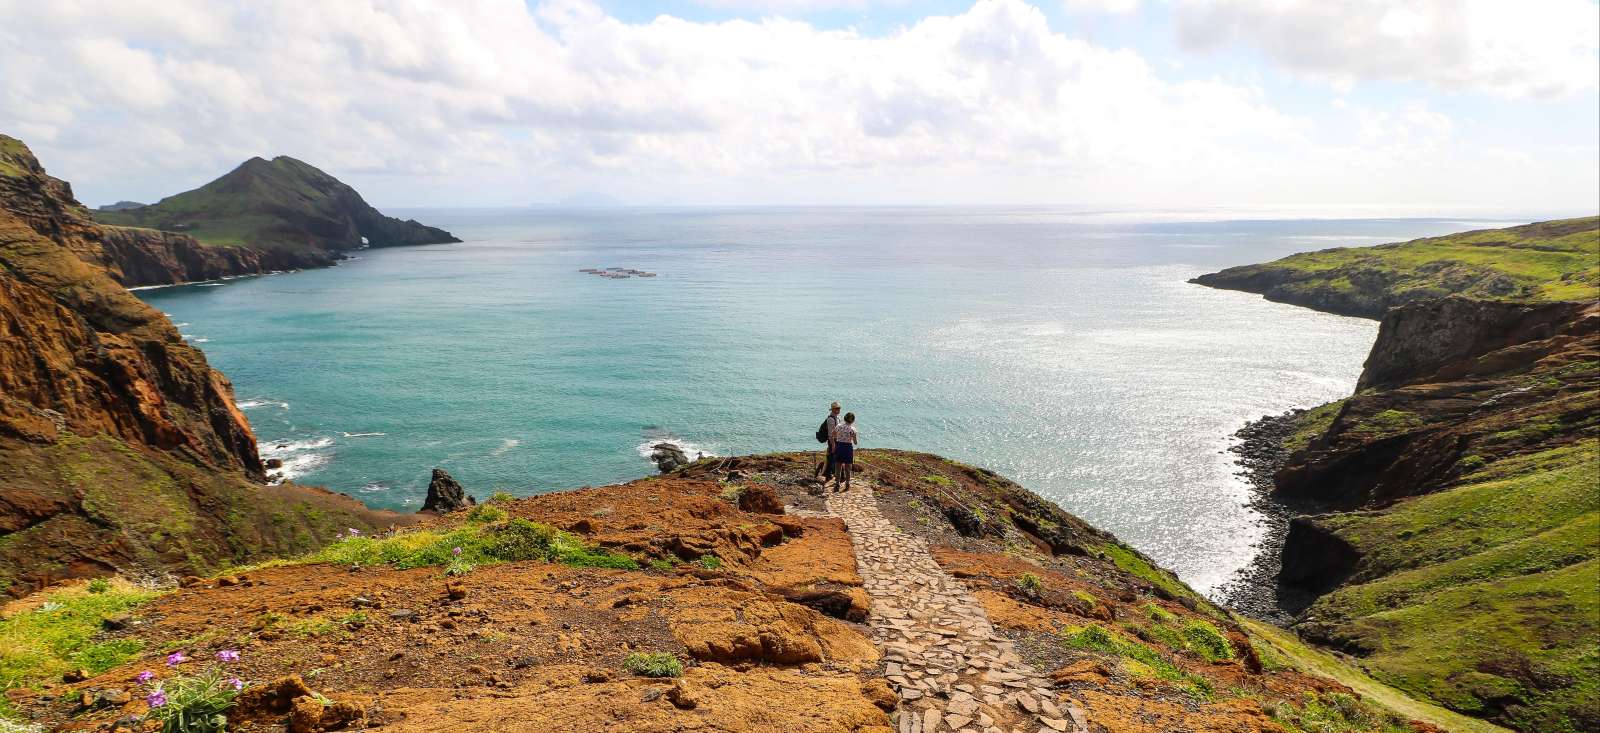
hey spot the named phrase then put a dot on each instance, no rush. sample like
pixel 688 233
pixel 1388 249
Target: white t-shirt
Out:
pixel 844 432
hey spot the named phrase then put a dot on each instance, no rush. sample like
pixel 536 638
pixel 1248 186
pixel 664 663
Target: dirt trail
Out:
pixel 953 671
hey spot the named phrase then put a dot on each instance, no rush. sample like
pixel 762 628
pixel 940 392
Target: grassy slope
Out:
pixel 227 215
pixel 1484 593
pixel 1479 590
pixel 1557 260
pixel 1297 654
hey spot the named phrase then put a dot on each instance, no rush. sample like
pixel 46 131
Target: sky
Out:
pixel 1309 107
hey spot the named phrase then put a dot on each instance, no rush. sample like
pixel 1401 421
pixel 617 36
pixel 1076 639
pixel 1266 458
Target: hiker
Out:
pixel 825 435
pixel 844 449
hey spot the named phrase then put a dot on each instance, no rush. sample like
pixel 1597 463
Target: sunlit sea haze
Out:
pixel 1064 350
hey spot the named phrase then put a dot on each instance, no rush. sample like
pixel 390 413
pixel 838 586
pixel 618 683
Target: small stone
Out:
pixel 1055 724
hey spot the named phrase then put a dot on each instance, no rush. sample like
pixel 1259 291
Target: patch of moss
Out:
pixel 64 633
pixel 1310 424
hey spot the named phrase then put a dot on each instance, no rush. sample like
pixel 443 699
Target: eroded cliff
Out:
pixel 120 448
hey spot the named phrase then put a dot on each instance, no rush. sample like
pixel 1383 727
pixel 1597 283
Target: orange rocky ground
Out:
pixel 773 639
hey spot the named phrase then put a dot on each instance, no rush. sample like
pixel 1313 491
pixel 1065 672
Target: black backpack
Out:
pixel 822 431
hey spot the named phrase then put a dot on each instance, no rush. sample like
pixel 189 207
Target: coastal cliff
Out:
pixel 120 448
pixel 1456 535
pixel 263 216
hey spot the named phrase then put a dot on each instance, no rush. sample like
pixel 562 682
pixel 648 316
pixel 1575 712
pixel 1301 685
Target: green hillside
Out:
pixel 278 204
pixel 1552 260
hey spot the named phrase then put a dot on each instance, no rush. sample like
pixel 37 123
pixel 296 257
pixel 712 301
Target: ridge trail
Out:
pixel 952 670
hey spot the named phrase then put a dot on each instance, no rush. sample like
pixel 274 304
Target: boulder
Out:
pixel 760 498
pixel 445 494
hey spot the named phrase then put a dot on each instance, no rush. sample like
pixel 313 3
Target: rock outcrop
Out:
pixel 263 216
pixel 120 447
pixel 445 494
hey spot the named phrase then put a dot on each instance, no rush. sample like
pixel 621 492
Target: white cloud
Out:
pixel 1541 48
pixel 1103 6
pixel 494 102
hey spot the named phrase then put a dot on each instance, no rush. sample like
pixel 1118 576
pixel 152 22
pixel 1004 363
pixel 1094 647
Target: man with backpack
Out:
pixel 825 435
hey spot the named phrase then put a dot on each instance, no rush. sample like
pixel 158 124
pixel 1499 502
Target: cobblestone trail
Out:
pixel 953 671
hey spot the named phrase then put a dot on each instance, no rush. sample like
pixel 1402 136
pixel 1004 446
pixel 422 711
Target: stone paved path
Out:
pixel 953 671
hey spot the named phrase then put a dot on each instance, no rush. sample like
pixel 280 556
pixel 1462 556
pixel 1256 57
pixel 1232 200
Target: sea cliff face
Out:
pixel 136 257
pixel 120 448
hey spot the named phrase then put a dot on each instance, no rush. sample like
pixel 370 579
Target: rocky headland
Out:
pixel 264 216
pixel 1445 515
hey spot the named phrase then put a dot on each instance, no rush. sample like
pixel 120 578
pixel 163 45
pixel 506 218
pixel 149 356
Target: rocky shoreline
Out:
pixel 1255 591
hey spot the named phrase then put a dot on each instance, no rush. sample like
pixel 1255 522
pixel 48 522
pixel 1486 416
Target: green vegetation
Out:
pixel 1388 422
pixel 1168 583
pixel 501 497
pixel 1138 659
pixel 731 493
pixel 1030 585
pixel 1553 260
pixel 471 546
pixel 1284 648
pixel 193 704
pixel 1310 424
pixel 1336 712
pixel 937 480
pixel 1485 590
pixel 710 562
pixel 63 634
pixel 278 204
pixel 653 664
pixel 485 514
pixel 98 585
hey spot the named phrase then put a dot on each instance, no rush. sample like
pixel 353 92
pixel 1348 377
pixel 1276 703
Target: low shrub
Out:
pixel 485 513
pixel 1030 585
pixel 653 664
pixel 193 704
pixel 710 562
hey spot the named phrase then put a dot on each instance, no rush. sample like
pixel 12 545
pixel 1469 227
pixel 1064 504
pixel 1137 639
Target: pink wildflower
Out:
pixel 146 676
pixel 156 698
pixel 228 655
pixel 176 658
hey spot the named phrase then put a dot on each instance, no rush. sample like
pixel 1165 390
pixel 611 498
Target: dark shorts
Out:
pixel 844 452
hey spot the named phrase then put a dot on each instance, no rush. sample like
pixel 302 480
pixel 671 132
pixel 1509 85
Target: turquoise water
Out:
pixel 1065 351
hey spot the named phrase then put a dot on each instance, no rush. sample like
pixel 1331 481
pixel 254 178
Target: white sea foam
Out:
pixel 200 341
pixel 299 457
pixel 362 435
pixel 692 450
pixel 180 325
pixel 252 404
pixel 505 445
pixel 374 487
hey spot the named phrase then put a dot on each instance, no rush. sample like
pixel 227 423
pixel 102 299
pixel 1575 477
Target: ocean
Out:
pixel 1062 349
